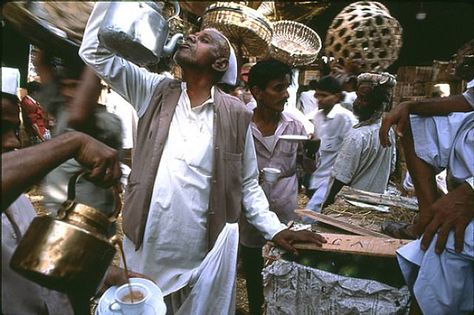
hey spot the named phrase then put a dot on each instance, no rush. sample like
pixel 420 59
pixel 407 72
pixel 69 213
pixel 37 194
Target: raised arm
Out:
pixel 400 114
pixel 25 167
pixel 133 83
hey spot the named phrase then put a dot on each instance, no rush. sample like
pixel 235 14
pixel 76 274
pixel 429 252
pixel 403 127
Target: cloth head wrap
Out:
pixel 230 76
pixel 10 80
pixel 384 81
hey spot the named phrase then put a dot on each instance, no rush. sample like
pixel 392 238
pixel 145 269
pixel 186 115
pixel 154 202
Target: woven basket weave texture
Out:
pixel 243 26
pixel 365 30
pixel 294 43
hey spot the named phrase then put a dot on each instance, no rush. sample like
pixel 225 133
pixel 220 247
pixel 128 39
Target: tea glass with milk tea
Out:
pixel 130 299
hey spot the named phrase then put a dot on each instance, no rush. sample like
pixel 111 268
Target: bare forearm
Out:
pixel 439 106
pixel 421 172
pixel 82 108
pixel 23 168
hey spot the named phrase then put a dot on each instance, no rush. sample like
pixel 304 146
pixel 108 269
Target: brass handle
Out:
pixel 115 240
pixel 70 203
pixel 118 205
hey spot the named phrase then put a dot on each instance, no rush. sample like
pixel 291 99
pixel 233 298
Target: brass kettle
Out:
pixel 69 253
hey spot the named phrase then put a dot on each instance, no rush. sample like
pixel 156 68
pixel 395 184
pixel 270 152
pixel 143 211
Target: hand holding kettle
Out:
pixel 101 161
pixel 23 168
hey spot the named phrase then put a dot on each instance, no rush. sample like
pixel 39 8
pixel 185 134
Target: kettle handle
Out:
pixel 177 10
pixel 70 203
pixel 118 205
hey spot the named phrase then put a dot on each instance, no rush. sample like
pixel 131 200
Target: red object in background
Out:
pixel 244 72
pixel 33 114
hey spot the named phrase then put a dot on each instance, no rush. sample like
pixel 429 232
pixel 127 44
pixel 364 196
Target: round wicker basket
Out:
pixel 242 25
pixel 294 43
pixel 366 31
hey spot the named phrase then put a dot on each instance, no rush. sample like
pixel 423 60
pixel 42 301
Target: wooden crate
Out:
pixel 443 71
pixel 415 74
pixel 348 275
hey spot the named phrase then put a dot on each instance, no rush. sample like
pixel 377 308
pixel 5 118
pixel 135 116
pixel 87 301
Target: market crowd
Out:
pixel 195 157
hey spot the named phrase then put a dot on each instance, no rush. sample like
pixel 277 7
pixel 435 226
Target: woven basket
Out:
pixel 294 43
pixel 365 30
pixel 242 25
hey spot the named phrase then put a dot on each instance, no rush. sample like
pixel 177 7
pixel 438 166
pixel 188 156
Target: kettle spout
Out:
pixel 169 48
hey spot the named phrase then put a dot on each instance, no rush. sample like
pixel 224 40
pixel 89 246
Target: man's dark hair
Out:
pixel 313 84
pixel 33 87
pixel 265 71
pixel 329 84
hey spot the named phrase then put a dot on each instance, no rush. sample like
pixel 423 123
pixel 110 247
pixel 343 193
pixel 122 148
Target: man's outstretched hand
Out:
pixel 286 238
pixel 453 211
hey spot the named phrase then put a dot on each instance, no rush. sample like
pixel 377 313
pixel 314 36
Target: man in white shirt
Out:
pixel 438 134
pixel 362 163
pixel 307 103
pixel 180 230
pixel 332 122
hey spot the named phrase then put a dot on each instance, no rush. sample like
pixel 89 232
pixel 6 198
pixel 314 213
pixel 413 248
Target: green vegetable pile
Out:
pixel 381 269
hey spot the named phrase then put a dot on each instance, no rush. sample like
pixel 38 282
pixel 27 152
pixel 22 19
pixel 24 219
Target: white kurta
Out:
pixel 362 162
pixel 307 102
pixel 443 284
pixel 331 129
pixel 180 200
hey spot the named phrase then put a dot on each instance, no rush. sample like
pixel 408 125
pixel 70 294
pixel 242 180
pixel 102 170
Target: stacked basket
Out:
pixel 294 43
pixel 243 26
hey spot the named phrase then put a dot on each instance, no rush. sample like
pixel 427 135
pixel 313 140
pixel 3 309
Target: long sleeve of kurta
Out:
pixel 133 83
pixel 255 203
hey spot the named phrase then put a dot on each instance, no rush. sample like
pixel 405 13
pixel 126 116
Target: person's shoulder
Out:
pixel 341 110
pixel 343 113
pixel 292 118
pixel 230 101
pixel 166 81
pixel 356 134
pixel 307 94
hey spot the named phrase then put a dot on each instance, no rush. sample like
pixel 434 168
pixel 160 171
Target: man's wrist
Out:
pixel 71 141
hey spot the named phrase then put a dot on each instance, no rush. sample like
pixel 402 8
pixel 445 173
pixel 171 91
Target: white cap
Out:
pixel 230 76
pixel 10 80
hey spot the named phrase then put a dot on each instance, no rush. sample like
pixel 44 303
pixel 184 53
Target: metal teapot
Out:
pixel 70 252
pixel 137 31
